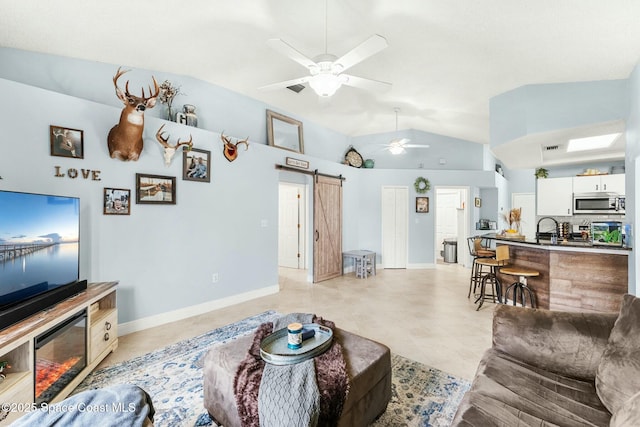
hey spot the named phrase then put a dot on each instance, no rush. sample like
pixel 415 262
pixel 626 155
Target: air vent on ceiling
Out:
pixel 296 88
pixel 551 147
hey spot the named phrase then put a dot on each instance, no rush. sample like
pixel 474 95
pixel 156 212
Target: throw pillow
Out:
pixel 628 414
pixel 618 374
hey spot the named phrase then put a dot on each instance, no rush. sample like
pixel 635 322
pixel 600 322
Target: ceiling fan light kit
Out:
pixel 325 84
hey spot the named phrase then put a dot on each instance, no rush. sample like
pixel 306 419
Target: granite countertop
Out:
pixel 579 245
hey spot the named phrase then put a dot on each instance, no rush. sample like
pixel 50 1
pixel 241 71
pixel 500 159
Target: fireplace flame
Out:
pixel 48 372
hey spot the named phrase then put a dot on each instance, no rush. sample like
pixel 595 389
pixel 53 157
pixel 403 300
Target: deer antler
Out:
pixel 165 141
pixel 224 138
pixel 119 74
pixel 245 142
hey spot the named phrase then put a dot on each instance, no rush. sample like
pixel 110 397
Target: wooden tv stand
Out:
pixel 17 345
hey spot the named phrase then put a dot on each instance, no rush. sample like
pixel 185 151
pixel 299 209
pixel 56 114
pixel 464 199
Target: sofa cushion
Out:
pixel 628 414
pixel 507 392
pixel 618 374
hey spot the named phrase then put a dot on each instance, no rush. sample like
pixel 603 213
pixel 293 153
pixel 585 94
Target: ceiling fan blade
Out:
pixel 367 48
pixel 286 83
pixel 367 84
pixel 399 142
pixel 289 51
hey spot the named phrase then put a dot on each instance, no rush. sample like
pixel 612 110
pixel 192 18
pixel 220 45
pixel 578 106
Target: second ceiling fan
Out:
pixel 326 71
pixel 398 145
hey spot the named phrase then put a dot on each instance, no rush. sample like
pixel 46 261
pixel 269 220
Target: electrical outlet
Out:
pixel 214 278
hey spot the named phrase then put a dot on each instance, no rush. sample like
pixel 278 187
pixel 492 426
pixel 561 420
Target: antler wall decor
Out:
pixel 125 138
pixel 170 150
pixel 230 149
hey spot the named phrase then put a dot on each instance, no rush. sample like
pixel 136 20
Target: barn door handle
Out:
pixel 317 235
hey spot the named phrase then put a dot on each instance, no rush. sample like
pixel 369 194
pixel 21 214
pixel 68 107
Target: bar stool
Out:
pixel 520 285
pixel 501 260
pixel 477 250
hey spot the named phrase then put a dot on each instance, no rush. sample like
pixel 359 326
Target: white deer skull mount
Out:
pixel 170 150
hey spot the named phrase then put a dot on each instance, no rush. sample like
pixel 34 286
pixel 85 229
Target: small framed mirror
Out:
pixel 284 132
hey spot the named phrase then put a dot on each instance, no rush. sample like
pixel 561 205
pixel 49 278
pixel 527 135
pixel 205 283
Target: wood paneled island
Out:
pixel 573 276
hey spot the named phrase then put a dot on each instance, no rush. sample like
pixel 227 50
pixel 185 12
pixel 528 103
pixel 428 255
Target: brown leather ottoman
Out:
pixel 368 366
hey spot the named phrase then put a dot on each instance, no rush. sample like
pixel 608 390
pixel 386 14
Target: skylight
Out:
pixel 591 142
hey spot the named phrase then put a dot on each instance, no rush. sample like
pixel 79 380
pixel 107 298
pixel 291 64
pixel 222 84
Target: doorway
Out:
pixel 395 226
pixel 451 222
pixel 292 225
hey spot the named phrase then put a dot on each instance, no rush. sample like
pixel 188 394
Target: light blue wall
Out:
pixel 163 256
pixel 440 147
pixel 546 107
pixel 421 225
pixel 218 109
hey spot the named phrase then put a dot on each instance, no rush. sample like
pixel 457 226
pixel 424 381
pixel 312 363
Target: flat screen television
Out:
pixel 39 253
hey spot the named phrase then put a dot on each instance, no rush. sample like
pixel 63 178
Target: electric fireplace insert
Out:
pixel 60 355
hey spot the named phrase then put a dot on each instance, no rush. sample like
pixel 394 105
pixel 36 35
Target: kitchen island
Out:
pixel 574 275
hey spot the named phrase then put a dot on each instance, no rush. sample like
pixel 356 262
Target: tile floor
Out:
pixel 420 314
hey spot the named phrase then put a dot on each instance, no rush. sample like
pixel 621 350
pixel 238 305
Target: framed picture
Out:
pixel 422 204
pixel 155 189
pixel 196 165
pixel 478 202
pixel 117 201
pixel 284 132
pixel 66 142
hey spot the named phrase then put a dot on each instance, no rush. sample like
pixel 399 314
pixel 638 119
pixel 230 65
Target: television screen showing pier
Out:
pixel 38 243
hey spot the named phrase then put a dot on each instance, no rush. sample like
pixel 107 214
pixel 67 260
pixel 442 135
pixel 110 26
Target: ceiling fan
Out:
pixel 326 71
pixel 399 145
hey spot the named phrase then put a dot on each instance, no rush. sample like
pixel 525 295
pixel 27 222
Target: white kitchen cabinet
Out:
pixel 599 183
pixel 554 196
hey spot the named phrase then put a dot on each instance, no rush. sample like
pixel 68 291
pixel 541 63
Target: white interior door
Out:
pixel 448 201
pixel 291 225
pixel 395 225
pixel 526 201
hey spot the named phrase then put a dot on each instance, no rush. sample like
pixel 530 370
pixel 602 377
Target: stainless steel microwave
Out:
pixel 598 203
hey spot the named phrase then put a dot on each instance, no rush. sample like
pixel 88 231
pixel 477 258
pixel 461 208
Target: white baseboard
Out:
pixel 194 310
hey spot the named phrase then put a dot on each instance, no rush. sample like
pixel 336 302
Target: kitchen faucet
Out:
pixel 557 228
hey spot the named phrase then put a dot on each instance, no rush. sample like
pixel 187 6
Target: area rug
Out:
pixel 421 396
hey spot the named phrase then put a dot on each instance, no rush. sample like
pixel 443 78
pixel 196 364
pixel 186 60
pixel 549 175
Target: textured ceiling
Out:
pixel 445 59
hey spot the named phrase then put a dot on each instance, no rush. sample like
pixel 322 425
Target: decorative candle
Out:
pixel 294 337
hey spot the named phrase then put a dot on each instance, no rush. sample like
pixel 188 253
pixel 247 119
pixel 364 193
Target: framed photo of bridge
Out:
pixel 155 189
pixel 66 142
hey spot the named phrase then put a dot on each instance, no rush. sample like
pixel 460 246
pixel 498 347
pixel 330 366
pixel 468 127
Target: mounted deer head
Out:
pixel 230 149
pixel 170 150
pixel 125 138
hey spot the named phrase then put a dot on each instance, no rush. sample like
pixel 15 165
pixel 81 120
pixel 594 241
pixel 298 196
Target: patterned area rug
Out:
pixel 422 396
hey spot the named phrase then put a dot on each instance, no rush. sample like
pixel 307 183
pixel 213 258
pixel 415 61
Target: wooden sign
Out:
pixel 302 164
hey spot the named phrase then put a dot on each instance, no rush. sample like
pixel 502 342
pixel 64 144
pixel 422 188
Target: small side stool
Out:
pixel 520 285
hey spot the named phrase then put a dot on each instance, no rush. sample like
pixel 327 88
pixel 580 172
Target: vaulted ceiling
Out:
pixel 445 59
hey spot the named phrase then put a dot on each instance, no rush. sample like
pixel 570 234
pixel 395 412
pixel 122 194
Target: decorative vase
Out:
pixel 188 116
pixel 369 163
pixel 169 113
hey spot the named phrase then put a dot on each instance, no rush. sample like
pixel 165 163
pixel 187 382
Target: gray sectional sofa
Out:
pixel 558 368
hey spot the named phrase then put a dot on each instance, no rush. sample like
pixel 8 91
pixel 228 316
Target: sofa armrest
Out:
pixel 567 343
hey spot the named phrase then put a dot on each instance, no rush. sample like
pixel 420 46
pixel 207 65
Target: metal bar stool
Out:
pixel 477 250
pixel 501 260
pixel 520 285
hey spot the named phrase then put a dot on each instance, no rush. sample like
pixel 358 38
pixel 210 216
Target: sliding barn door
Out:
pixel 327 223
